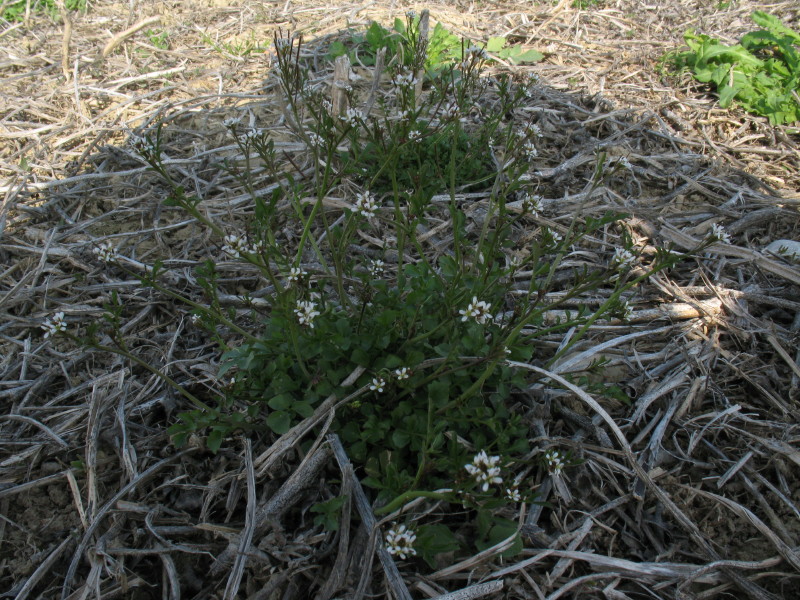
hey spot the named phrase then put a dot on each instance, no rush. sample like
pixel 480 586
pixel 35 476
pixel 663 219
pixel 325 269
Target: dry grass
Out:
pixel 690 492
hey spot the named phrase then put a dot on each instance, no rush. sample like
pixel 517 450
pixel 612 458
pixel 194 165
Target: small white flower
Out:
pixel 718 234
pixel 513 494
pixel 626 311
pixel 376 268
pixel 231 122
pixel 194 318
pixel 106 252
pixel 411 14
pixel 141 144
pixel 476 310
pixel 475 52
pixel 377 384
pixel 530 150
pixel 283 43
pixel 306 312
pixel 402 373
pixel 414 136
pixel 352 117
pixel 400 542
pixel 450 110
pixel 557 237
pixel 235 246
pixel 485 470
pixel 533 130
pixel 554 461
pixel 365 205
pixel 316 140
pixel 295 275
pixel 55 325
pixel 250 134
pixel 532 204
pixel 405 79
pixel 623 162
pixel 326 104
pixel 623 258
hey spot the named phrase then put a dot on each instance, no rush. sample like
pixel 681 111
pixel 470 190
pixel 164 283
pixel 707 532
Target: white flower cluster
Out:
pixel 554 461
pixel 295 275
pixel 250 134
pixel 404 115
pixel 283 43
pixel 376 268
pixel 106 252
pixel 414 135
pixel 231 122
pixel 532 204
pixel 236 246
pixel 306 312
pixel 450 110
pixel 405 79
pixel 623 162
pixel 625 310
pixel 55 325
pixel 400 542
pixel 718 234
pixel 623 258
pixel 484 470
pixel 316 139
pixel 365 205
pixel 529 148
pixel 533 130
pixel 474 53
pixel 352 117
pixel 476 310
pixel 141 144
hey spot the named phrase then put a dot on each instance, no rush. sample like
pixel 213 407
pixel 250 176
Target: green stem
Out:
pixel 406 497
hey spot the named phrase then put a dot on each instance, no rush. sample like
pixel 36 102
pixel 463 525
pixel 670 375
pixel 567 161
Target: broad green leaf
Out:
pixel 495 44
pixel 279 421
pixel 435 539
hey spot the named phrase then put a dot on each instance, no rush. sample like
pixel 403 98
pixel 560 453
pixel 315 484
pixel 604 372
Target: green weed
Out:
pixel 443 49
pixel 761 72
pixel 413 347
pixel 15 11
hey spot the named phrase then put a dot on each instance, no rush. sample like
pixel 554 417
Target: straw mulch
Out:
pixel 691 491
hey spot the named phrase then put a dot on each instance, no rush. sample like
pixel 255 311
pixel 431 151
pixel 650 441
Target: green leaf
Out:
pixel 214 439
pixel 518 56
pixel 774 25
pixel 495 44
pixel 337 49
pixel 400 439
pixel 328 513
pixel 497 529
pixel 281 402
pixel 279 421
pixel 433 540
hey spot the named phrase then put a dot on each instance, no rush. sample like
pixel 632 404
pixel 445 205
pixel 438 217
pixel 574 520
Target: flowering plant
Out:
pixel 393 272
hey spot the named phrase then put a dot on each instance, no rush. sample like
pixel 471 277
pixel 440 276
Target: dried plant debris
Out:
pixel 663 438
